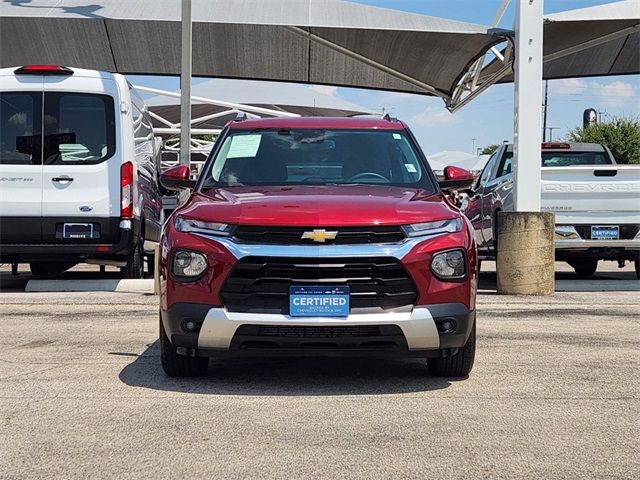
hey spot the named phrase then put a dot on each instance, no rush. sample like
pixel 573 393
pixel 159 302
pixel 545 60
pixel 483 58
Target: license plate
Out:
pixel 77 230
pixel 605 233
pixel 319 301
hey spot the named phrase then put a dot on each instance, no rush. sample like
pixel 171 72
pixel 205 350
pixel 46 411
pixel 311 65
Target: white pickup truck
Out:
pixel 596 203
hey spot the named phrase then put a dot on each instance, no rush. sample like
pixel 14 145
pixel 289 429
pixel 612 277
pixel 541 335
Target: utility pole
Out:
pixel 600 114
pixel 544 110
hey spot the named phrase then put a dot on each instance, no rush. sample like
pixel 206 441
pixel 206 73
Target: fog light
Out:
pixel 190 325
pixel 447 326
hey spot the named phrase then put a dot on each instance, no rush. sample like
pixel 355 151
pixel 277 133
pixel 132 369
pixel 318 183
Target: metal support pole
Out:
pixel 528 98
pixel 185 86
pixel 524 238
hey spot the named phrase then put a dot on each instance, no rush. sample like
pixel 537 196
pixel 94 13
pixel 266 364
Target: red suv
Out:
pixel 312 236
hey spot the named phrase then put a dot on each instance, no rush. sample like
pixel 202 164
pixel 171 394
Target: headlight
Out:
pixel 207 228
pixel 188 264
pixel 433 228
pixel 449 265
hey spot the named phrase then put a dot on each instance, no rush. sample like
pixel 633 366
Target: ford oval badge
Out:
pixel 86 208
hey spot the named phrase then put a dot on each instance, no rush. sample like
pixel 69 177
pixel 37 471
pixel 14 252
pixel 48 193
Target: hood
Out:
pixel 318 206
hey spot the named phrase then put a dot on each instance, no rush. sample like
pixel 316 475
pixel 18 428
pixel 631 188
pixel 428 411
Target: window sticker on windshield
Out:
pixel 243 146
pixel 410 168
pixel 397 136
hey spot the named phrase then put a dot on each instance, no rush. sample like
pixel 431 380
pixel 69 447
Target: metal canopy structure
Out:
pixel 266 99
pixel 209 114
pixel 595 41
pixel 309 41
pixel 313 41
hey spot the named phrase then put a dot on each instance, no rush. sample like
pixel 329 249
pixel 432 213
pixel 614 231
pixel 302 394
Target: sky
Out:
pixel 489 118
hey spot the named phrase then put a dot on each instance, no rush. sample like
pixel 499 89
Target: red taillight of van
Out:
pixel 43 70
pixel 126 190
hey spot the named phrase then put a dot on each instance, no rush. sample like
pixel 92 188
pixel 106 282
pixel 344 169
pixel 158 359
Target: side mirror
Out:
pixel 456 178
pixel 177 178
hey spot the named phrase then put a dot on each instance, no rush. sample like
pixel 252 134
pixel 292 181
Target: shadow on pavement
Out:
pixel 288 376
pixel 602 281
pixel 487 283
pixel 18 283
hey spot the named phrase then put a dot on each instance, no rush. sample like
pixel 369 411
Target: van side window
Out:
pixel 78 128
pixel 21 128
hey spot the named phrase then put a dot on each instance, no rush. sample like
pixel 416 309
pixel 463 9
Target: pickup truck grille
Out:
pixel 261 284
pixel 627 232
pixel 293 235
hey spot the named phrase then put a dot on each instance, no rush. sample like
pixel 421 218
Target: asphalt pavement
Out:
pixel 554 394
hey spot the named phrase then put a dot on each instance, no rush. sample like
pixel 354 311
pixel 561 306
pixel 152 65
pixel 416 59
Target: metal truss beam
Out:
pixel 367 61
pixel 220 103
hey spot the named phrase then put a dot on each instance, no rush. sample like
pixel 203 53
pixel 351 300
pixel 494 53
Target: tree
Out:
pixel 621 135
pixel 489 149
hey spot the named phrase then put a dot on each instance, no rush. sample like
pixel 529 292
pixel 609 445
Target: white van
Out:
pixel 78 171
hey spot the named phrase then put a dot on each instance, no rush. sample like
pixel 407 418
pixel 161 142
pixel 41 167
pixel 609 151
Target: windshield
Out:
pixel 316 157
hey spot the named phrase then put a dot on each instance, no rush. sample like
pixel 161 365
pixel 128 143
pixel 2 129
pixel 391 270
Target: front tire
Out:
pixel 637 262
pixel 458 365
pixel 175 365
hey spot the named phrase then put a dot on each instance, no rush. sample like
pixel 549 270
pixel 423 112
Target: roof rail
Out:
pixel 240 117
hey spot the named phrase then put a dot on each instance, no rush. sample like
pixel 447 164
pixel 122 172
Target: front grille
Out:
pixel 316 332
pixel 261 284
pixel 293 235
pixel 627 232
pixel 367 337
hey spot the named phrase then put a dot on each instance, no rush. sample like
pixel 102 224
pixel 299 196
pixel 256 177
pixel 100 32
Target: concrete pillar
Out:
pixel 525 253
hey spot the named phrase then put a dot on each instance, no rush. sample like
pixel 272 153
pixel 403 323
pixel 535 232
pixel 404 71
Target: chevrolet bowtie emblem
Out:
pixel 319 236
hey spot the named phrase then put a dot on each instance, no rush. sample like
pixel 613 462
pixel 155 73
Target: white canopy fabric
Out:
pixel 474 164
pixel 440 160
pixel 328 42
pixel 309 41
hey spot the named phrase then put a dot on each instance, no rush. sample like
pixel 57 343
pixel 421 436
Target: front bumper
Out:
pixel 568 238
pixel 217 329
pixel 581 244
pixel 569 245
pixel 73 251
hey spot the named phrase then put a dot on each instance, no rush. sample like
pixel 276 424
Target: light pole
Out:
pixel 185 86
pixel 473 149
pixel 551 129
pixel 544 110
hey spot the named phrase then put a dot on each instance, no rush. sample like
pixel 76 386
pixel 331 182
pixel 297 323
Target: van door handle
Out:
pixel 62 179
